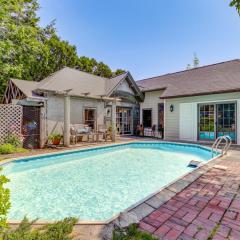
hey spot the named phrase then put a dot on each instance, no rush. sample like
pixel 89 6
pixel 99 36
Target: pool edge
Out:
pixel 137 204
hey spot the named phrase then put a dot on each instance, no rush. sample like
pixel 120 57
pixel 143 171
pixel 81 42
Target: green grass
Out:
pixel 131 233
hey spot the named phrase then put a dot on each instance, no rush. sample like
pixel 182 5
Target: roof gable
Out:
pixel 116 82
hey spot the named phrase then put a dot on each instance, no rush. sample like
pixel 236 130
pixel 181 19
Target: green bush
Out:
pixel 56 231
pixel 131 233
pixel 7 148
pixel 13 139
pixel 4 202
pixel 21 150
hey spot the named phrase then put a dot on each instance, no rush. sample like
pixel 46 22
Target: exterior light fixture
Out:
pixel 171 108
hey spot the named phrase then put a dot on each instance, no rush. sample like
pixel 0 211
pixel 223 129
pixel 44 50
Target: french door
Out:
pixel 217 120
pixel 124 120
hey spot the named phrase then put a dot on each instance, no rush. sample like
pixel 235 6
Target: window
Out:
pixel 90 117
pixel 147 117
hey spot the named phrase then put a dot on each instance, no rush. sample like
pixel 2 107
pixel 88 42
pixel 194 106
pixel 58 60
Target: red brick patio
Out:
pixel 209 208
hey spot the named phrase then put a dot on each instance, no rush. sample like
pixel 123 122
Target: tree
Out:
pixel 86 64
pixel 195 63
pixel 236 4
pixel 30 52
pixel 119 72
pixel 4 202
pixel 103 70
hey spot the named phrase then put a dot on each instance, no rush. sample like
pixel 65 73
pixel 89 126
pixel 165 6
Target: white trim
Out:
pixel 216 101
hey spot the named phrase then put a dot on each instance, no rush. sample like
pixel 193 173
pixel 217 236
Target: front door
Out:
pixel 217 120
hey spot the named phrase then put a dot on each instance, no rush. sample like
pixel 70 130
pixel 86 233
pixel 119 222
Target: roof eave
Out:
pixel 154 89
pixel 201 94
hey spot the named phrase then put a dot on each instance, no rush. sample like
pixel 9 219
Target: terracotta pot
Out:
pixel 56 141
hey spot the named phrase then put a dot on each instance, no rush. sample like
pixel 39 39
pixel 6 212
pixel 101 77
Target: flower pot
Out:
pixel 56 141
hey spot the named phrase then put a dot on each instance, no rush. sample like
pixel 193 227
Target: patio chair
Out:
pixel 103 130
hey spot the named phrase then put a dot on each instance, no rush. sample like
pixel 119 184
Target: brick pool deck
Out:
pixel 208 208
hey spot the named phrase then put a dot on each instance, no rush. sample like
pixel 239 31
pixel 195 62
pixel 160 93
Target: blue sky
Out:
pixel 147 37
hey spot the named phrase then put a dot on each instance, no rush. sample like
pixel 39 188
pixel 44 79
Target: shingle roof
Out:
pixel 80 83
pixel 27 87
pixel 215 78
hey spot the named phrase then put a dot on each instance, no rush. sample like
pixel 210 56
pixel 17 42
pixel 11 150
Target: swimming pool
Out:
pixel 97 183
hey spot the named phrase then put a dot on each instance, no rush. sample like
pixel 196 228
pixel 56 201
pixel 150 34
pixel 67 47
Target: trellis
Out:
pixel 10 120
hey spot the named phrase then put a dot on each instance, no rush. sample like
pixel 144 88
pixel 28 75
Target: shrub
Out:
pixel 21 150
pixel 56 231
pixel 4 202
pixel 13 139
pixel 131 233
pixel 7 148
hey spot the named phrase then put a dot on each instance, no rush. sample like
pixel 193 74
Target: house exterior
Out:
pixel 199 104
pixel 91 100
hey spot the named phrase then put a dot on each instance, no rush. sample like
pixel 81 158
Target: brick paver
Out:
pixel 209 208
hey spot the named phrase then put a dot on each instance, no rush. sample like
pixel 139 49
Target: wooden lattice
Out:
pixel 10 120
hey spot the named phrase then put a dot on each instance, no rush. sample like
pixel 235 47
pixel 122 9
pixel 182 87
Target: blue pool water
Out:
pixel 95 184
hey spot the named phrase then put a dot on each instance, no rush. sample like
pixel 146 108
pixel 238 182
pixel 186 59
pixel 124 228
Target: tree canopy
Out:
pixel 31 52
pixel 236 4
pixel 195 62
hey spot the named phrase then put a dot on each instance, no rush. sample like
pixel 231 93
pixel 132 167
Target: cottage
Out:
pixel 199 104
pixel 91 99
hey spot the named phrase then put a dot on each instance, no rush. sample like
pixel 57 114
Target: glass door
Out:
pixel 124 120
pixel 207 122
pixel 226 120
pixel 217 120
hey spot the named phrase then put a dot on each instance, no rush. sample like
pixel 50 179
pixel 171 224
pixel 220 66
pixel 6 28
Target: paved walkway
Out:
pixel 209 208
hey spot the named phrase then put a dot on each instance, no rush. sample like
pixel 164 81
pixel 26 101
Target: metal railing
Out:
pixel 218 141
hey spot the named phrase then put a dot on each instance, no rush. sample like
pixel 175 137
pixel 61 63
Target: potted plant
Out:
pixel 55 138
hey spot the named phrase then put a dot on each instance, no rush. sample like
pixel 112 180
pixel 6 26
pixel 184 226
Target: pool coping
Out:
pixel 204 167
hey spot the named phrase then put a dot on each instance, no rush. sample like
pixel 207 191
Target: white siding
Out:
pixel 151 102
pixel 55 112
pixel 188 121
pixel 172 119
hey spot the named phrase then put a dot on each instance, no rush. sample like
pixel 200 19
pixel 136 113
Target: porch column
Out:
pixel 114 120
pixel 66 134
